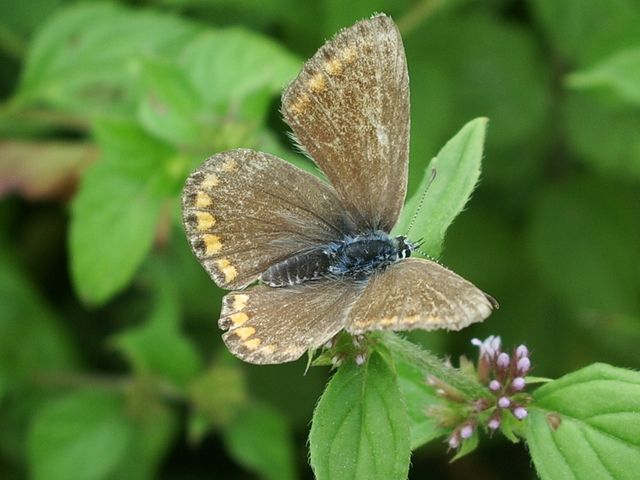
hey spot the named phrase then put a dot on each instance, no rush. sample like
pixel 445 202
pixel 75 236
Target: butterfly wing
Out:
pixel 349 108
pixel 244 210
pixel 268 325
pixel 417 293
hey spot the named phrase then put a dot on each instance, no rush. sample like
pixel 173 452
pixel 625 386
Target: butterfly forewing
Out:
pixel 276 325
pixel 245 211
pixel 349 109
pixel 417 293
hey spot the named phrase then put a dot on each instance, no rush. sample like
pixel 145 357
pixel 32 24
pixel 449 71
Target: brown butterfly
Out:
pixel 322 251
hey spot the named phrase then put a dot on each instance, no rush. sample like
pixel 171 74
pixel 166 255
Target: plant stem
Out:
pixel 119 384
pixel 432 365
pixel 420 12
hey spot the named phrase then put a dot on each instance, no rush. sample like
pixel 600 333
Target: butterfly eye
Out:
pixel 404 247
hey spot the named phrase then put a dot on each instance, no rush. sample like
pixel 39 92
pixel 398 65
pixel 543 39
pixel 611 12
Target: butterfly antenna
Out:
pixel 416 247
pixel 424 194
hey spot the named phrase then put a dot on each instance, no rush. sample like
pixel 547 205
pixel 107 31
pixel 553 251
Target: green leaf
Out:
pixel 260 440
pixel 467 447
pixel 159 347
pixel 360 427
pixel 619 73
pixel 170 107
pixel 586 424
pixel 114 215
pixel 457 168
pixel 32 340
pixel 217 395
pixel 82 436
pixel 418 397
pixel 154 430
pixel 84 59
pixel 228 66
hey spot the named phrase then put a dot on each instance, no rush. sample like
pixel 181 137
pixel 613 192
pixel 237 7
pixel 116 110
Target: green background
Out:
pixel 111 364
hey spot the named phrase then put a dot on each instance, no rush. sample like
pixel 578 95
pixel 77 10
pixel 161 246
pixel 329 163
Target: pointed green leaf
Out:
pixel 619 73
pixel 229 65
pixel 84 59
pixel 114 215
pixel 468 446
pixel 32 337
pixel 154 430
pixel 260 439
pixel 159 347
pixel 170 108
pixel 360 427
pixel 457 168
pixel 83 436
pixel 586 424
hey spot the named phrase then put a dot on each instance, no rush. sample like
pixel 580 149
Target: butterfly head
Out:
pixel 404 246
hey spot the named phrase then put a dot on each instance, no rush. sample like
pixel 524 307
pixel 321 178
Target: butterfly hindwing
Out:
pixel 244 211
pixel 349 109
pixel 417 293
pixel 268 325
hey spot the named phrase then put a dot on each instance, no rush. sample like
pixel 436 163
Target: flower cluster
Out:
pixel 504 376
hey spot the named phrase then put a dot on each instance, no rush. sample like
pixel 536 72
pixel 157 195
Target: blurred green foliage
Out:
pixel 111 365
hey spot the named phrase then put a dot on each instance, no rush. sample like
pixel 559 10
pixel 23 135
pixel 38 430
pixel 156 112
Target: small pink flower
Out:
pixel 518 383
pixel 520 413
pixel 494 424
pixel 524 364
pixel 503 361
pixel 466 431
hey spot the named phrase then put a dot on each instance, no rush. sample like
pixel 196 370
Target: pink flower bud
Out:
pixel 524 364
pixel 504 402
pixel 494 424
pixel 494 385
pixel 466 431
pixel 503 360
pixel 520 413
pixel 518 383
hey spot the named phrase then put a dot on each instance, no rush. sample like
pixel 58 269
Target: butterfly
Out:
pixel 321 251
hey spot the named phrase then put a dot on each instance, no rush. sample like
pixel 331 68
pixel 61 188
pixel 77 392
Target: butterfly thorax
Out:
pixel 355 256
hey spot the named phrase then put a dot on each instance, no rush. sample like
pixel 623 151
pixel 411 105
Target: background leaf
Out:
pixel 620 73
pixel 71 67
pixel 119 202
pixel 69 431
pixel 260 440
pixel 158 347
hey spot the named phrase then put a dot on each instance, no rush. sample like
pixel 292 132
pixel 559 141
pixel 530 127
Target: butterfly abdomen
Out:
pixel 298 269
